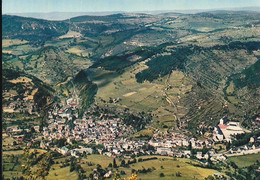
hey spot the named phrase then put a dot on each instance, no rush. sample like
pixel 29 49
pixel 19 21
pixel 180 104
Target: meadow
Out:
pixel 246 160
pixel 163 164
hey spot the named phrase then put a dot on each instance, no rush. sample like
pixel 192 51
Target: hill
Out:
pixel 25 98
pixel 184 69
pixel 32 29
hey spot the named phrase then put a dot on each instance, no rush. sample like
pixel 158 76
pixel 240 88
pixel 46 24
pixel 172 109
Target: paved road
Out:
pixel 252 151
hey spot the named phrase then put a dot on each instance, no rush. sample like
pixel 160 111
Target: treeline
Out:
pixel 113 63
pixel 249 77
pixel 120 62
pixel 111 18
pixel 146 159
pixel 242 139
pixel 163 65
pixel 249 172
pixel 45 161
pixel 138 121
pixel 143 170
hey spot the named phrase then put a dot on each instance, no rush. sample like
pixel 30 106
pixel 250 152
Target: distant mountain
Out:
pixel 68 15
pixel 62 15
pixel 32 29
pixel 112 17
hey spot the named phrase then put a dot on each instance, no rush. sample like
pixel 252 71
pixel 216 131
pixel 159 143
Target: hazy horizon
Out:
pixel 99 6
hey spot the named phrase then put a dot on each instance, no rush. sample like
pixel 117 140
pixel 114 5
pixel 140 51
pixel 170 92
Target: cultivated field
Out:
pixel 11 42
pixel 166 165
pixel 246 160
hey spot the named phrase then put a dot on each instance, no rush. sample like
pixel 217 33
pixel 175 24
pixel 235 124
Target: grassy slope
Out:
pixel 169 168
pixel 197 93
pixel 32 29
pixel 44 93
pixel 246 160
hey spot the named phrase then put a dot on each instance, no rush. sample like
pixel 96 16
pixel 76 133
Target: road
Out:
pixel 252 151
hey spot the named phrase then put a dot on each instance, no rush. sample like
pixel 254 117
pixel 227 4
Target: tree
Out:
pixel 73 164
pixel 110 165
pixel 209 160
pixel 161 174
pixel 209 178
pixel 123 163
pixel 178 174
pixel 84 154
pixel 190 146
pixel 134 161
pixel 32 130
pixel 122 172
pixel 114 163
pixel 228 146
pixel 233 165
pixel 60 142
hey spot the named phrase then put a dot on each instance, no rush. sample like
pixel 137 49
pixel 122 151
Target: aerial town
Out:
pixel 141 91
pixel 111 135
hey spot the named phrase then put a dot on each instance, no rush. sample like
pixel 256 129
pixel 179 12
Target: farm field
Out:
pixel 11 42
pixel 166 165
pixel 163 164
pixel 147 96
pixel 170 167
pixel 246 160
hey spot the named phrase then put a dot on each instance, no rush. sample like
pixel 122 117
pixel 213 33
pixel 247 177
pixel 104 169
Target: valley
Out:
pixel 92 97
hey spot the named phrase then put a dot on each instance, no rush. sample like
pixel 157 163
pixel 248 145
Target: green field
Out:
pixel 11 42
pixel 61 173
pixel 169 168
pixel 246 160
pixel 163 164
pixel 147 96
pixel 10 167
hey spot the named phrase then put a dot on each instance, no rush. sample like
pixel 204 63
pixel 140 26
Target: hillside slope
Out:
pixel 32 29
pixel 27 95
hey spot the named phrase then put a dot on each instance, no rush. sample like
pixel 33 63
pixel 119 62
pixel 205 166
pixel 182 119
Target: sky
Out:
pixel 44 6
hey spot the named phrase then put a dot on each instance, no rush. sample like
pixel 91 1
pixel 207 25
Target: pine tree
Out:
pixel 114 163
pixel 123 163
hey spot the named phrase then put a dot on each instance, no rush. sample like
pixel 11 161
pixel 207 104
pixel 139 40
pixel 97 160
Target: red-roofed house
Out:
pixel 221 126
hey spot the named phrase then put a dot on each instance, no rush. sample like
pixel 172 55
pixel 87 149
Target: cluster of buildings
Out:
pixel 225 130
pixel 20 100
pixel 112 135
pixel 173 140
pixel 105 129
pixel 20 106
pixel 20 103
pixel 110 132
